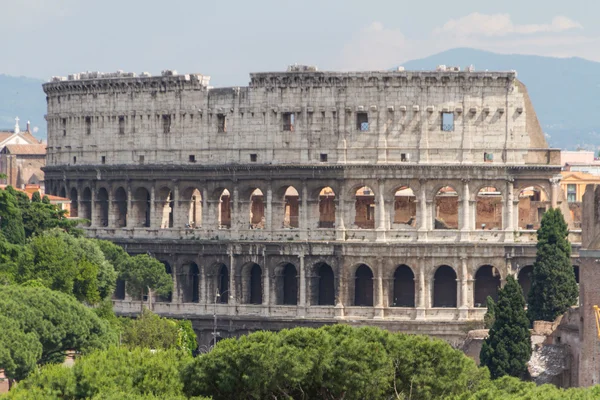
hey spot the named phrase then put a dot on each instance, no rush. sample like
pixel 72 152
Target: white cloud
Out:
pixel 476 24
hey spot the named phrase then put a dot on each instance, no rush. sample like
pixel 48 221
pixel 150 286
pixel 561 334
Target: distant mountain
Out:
pixel 24 98
pixel 565 91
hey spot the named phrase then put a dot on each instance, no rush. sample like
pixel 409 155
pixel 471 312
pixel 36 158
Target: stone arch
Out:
pixel 74 213
pixel 224 209
pixel 101 206
pixel 403 293
pixel 86 204
pixel 327 208
pixel 141 208
pixel 286 284
pixel 363 286
pixel 489 208
pixel 169 297
pixel 191 203
pixel 120 208
pixel 166 207
pixel 444 287
pixel 62 192
pixel 257 209
pixel 252 283
pixel 364 206
pixel 291 208
pixel 446 208
pixel 524 278
pixel 487 283
pixel 191 292
pixel 325 285
pixel 405 208
pixel 533 203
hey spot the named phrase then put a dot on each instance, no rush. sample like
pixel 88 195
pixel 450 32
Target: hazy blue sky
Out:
pixel 228 39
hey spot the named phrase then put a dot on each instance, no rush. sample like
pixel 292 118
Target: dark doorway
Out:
pixel 404 287
pixel 74 204
pixel 525 280
pixel 102 208
pixel 487 283
pixel 119 293
pixel 86 204
pixel 326 291
pixel 256 294
pixel 120 208
pixel 195 282
pixel 363 286
pixel 444 287
pixel 290 285
pixel 223 285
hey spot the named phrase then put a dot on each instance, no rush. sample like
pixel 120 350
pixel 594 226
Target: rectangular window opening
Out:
pixel 571 192
pixel 121 125
pixel 88 125
pixel 192 158
pixel 403 157
pixel 323 157
pixel 103 159
pixel 362 121
pixel 74 160
pixel 141 159
pixel 253 157
pixel 166 119
pixel 288 121
pixel 447 121
pixel 221 123
pixel 64 126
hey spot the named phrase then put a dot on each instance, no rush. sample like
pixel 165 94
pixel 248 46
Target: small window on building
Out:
pixel 141 159
pixel 488 157
pixel 288 121
pixel 121 125
pixel 64 126
pixel 166 119
pixel 88 125
pixel 362 121
pixel 253 157
pixel 447 121
pixel 103 159
pixel 221 123
pixel 323 157
pixel 74 160
pixel 192 158
pixel 571 192
pixel 403 157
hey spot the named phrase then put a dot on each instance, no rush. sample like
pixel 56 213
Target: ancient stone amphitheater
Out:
pixel 392 198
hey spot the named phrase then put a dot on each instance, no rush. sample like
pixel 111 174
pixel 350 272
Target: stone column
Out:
pixel 510 198
pixel 340 226
pixel 381 228
pixel 304 212
pixel 203 290
pixel 269 209
pixel 379 310
pixel 232 282
pixel 111 207
pixel 153 218
pixel 205 222
pixel 465 223
pixel 129 216
pixel 554 185
pixel 266 289
pixel 302 302
pixel 421 290
pixel 237 219
pixel 463 289
pixel 340 299
pixel 424 217
pixel 94 214
pixel 176 296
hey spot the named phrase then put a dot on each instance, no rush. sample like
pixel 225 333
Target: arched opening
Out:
pixel 166 208
pixel 533 203
pixel 257 210
pixel 404 287
pixel 446 208
pixel 120 208
pixel 119 293
pixel 192 202
pixel 86 204
pixel 325 285
pixel 363 286
pixel 141 208
pixel 256 293
pixel 224 210
pixel 327 208
pixel 291 208
pixel 364 205
pixel 101 207
pixel 222 285
pixel 487 283
pixel 405 208
pixel 444 287
pixel 489 209
pixel 576 272
pixel 169 297
pixel 193 280
pixel 62 193
pixel 286 285
pixel 524 279
pixel 74 213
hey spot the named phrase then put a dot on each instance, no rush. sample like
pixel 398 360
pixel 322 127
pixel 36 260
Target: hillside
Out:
pixel 564 91
pixel 22 97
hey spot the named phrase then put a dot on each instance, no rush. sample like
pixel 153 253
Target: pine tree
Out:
pixel 553 286
pixel 507 348
pixel 490 315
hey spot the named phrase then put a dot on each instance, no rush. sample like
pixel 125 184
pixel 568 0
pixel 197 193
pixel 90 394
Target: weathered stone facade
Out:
pixel 385 198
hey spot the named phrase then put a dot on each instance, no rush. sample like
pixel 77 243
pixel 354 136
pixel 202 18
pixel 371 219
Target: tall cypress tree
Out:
pixel 553 287
pixel 507 348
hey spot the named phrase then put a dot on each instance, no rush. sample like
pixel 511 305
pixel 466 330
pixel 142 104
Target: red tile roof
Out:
pixel 26 149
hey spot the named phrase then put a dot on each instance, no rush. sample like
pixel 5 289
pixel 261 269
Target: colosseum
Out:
pixel 399 199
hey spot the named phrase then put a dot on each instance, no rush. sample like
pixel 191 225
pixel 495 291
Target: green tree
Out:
pixel 507 349
pixel 11 218
pixel 19 351
pixel 553 287
pixel 490 315
pixel 145 274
